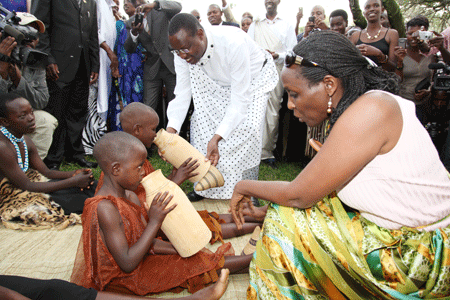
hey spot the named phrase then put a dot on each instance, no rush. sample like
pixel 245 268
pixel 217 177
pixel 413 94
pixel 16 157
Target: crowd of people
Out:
pixel 368 217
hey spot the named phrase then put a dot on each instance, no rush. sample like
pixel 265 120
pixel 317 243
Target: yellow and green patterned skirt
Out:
pixel 325 252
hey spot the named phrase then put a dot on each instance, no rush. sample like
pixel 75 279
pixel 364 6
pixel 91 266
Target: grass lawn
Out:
pixel 286 170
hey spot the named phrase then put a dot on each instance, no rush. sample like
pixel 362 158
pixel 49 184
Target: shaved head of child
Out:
pixel 140 121
pixel 117 148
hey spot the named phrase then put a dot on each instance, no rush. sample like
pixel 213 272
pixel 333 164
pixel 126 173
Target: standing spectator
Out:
pixel 131 68
pixel 99 92
pixel 318 12
pixel 412 66
pixel 215 16
pixel 385 19
pixel 226 10
pixel 71 42
pixel 277 36
pixel 159 69
pixel 376 42
pixel 29 82
pixel 339 21
pixel 196 14
pixel 245 23
pixel 229 77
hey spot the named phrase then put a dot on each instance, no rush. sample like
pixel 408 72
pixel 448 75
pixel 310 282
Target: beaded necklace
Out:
pixel 14 141
pixel 375 36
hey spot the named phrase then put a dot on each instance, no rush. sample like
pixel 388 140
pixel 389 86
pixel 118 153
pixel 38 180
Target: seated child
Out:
pixel 22 288
pixel 141 121
pixel 119 250
pixel 25 178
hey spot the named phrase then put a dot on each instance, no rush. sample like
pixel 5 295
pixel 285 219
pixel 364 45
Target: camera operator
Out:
pixel 315 22
pixel 437 117
pixel 30 83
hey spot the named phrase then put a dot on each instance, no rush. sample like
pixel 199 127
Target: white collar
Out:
pixel 209 49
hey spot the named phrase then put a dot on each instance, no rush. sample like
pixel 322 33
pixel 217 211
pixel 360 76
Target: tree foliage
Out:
pixel 437 12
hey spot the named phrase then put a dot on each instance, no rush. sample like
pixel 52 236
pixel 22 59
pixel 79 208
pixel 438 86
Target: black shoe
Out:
pixel 84 163
pixel 271 162
pixel 193 197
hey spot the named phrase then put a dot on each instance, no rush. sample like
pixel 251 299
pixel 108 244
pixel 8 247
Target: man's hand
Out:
pixel 212 152
pixel 145 8
pixel 114 65
pixel 52 72
pixel 437 41
pixel 299 15
pixel 14 74
pixel 7 45
pixel 136 30
pixel 274 54
pixel 171 130
pixel 319 23
pixel 93 78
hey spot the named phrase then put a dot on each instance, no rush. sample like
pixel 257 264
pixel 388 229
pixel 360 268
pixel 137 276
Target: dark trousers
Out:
pixel 53 289
pixel 153 92
pixel 69 105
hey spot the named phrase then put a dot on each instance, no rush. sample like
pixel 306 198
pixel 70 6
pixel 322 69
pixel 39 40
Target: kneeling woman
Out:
pixel 382 164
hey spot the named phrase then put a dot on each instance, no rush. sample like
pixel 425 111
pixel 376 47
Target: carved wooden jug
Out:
pixel 176 150
pixel 183 226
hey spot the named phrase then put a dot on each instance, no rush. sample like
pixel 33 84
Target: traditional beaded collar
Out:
pixel 14 141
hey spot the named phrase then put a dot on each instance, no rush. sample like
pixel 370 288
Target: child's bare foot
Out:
pixel 215 291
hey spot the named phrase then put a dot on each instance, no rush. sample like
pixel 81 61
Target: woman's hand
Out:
pixel 421 95
pixel 400 53
pixel 238 203
pixel 368 50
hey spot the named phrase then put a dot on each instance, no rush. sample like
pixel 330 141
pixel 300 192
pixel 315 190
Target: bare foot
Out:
pixel 215 291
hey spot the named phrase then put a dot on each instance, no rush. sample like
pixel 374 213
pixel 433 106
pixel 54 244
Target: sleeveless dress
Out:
pixel 382 45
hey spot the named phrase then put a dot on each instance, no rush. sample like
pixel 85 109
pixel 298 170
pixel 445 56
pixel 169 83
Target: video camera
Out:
pixel 23 34
pixel 442 76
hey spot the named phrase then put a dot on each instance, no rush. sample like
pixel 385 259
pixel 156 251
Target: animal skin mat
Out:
pixel 47 254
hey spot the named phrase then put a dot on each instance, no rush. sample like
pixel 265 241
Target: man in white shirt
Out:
pixel 228 76
pixel 276 36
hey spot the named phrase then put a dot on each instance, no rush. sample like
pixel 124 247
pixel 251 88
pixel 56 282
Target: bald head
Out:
pixel 116 146
pixel 319 12
pixel 136 113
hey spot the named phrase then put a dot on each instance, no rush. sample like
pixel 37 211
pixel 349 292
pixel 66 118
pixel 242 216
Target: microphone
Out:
pixel 437 66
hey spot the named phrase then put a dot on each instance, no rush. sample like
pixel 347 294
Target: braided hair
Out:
pixel 341 59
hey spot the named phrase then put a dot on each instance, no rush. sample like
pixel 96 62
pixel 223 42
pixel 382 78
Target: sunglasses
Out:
pixel 294 59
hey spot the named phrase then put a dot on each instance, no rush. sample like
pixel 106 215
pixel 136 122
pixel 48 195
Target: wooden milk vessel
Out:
pixel 176 150
pixel 183 226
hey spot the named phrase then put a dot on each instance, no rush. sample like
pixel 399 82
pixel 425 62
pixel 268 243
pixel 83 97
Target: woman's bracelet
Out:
pixel 386 58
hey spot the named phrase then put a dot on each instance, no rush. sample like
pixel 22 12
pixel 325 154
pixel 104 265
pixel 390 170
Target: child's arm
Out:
pixel 184 171
pixel 11 170
pixel 111 226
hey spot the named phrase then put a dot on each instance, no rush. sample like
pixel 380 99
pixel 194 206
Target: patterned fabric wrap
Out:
pixel 131 84
pixel 27 210
pixel 325 252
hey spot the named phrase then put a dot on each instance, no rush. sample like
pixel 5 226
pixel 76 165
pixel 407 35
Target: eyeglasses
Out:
pixel 294 59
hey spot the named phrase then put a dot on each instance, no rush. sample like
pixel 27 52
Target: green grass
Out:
pixel 286 171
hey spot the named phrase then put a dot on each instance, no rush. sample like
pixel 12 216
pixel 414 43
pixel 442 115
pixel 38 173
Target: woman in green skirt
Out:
pixel 367 218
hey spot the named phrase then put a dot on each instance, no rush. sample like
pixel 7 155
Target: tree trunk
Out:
pixel 358 17
pixel 395 16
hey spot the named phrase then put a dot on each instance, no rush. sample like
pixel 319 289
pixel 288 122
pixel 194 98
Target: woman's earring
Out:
pixel 329 108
